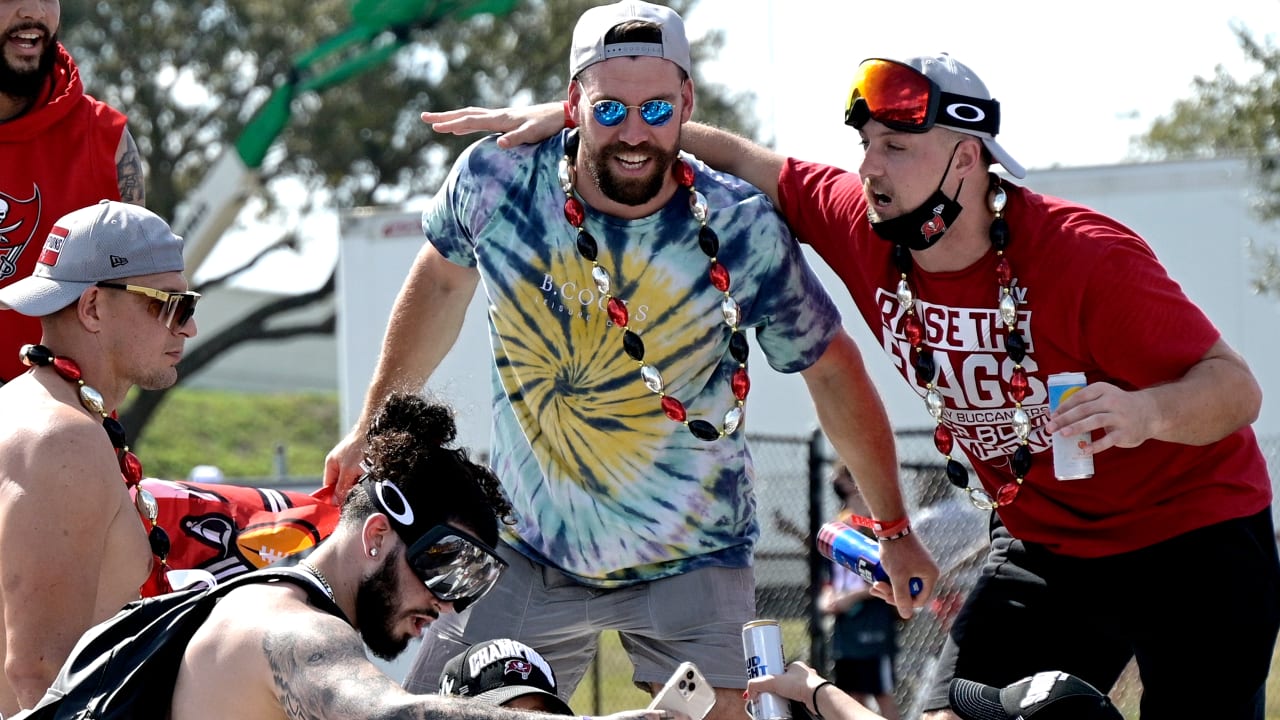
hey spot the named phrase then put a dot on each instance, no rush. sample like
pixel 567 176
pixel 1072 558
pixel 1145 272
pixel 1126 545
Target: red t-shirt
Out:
pixel 1093 298
pixel 58 157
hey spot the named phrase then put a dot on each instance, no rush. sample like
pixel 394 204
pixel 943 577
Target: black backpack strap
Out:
pixel 290 574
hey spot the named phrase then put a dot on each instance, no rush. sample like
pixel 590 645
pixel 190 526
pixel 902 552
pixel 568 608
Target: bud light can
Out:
pixel 841 543
pixel 762 647
pixel 1070 459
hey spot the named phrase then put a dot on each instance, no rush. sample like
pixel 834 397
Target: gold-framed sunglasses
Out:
pixel 174 309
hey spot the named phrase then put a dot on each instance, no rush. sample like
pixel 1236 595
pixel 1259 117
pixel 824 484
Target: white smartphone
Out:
pixel 686 692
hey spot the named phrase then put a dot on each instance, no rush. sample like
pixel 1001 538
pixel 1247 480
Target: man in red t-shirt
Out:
pixel 62 150
pixel 981 289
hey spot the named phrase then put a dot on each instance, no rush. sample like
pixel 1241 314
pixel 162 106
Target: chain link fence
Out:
pixel 794 497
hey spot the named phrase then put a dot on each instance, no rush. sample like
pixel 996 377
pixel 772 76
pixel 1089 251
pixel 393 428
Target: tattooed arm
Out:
pixel 319 671
pixel 129 171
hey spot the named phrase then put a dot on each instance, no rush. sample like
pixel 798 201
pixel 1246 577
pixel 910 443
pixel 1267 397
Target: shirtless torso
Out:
pixel 73 548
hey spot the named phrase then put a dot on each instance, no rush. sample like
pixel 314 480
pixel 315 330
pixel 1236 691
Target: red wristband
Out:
pixel 891 530
pixel 569 124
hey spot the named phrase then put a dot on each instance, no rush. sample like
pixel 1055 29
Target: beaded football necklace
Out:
pixel 632 345
pixel 130 466
pixel 1015 344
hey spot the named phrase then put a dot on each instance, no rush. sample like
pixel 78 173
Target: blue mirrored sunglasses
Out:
pixel 611 113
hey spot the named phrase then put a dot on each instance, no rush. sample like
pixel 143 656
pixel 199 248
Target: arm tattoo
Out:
pixel 129 172
pixel 318 674
pixel 307 667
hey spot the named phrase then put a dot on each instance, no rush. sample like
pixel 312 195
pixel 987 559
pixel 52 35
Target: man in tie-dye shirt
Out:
pixel 622 277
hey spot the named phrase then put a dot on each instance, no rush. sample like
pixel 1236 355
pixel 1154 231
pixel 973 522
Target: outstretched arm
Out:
pixel 327 675
pixel 518 125
pixel 735 155
pixel 424 325
pixel 803 684
pixel 720 149
pixel 853 416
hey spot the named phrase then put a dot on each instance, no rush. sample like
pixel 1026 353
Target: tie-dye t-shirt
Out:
pixel 604 485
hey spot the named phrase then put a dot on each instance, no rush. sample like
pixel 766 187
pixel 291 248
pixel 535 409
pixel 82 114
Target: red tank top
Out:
pixel 58 157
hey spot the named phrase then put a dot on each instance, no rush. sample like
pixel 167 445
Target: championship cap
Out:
pixel 498 671
pixel 589 47
pixel 1043 696
pixel 107 241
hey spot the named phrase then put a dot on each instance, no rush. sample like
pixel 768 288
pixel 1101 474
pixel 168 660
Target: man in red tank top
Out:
pixel 62 150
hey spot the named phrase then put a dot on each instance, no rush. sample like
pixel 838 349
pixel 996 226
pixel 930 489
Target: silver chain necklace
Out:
pixel 324 582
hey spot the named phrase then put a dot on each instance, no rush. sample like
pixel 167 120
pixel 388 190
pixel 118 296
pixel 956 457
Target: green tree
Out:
pixel 1229 117
pixel 1226 117
pixel 191 75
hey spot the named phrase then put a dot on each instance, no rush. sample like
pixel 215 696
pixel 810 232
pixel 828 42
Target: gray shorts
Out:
pixel 697 616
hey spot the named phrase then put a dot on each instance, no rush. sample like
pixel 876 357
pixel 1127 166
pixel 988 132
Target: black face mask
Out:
pixel 919 229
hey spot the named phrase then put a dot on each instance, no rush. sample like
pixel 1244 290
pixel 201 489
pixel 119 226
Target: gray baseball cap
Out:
pixel 107 241
pixel 588 35
pixel 956 78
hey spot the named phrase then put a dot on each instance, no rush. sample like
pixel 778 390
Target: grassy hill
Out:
pixel 239 432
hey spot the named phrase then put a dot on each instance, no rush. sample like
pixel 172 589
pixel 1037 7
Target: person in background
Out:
pixel 864 635
pixel 112 301
pixel 48 125
pixel 981 289
pixel 205 474
pixel 622 280
pixel 504 672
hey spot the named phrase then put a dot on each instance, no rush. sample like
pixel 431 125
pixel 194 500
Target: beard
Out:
pixel 376 610
pixel 27 84
pixel 629 191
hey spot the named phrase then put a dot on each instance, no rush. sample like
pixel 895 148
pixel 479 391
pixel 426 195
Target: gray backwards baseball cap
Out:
pixel 107 241
pixel 956 78
pixel 588 35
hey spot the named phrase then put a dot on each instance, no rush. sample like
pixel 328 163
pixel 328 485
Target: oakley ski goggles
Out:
pixel 172 309
pixel 611 113
pixel 902 98
pixel 455 566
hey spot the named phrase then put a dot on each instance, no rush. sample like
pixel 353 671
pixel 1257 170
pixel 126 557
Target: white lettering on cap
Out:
pixel 53 246
pixel 1040 688
pixel 502 649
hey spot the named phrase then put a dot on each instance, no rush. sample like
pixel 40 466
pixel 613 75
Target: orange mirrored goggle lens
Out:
pixel 893 94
